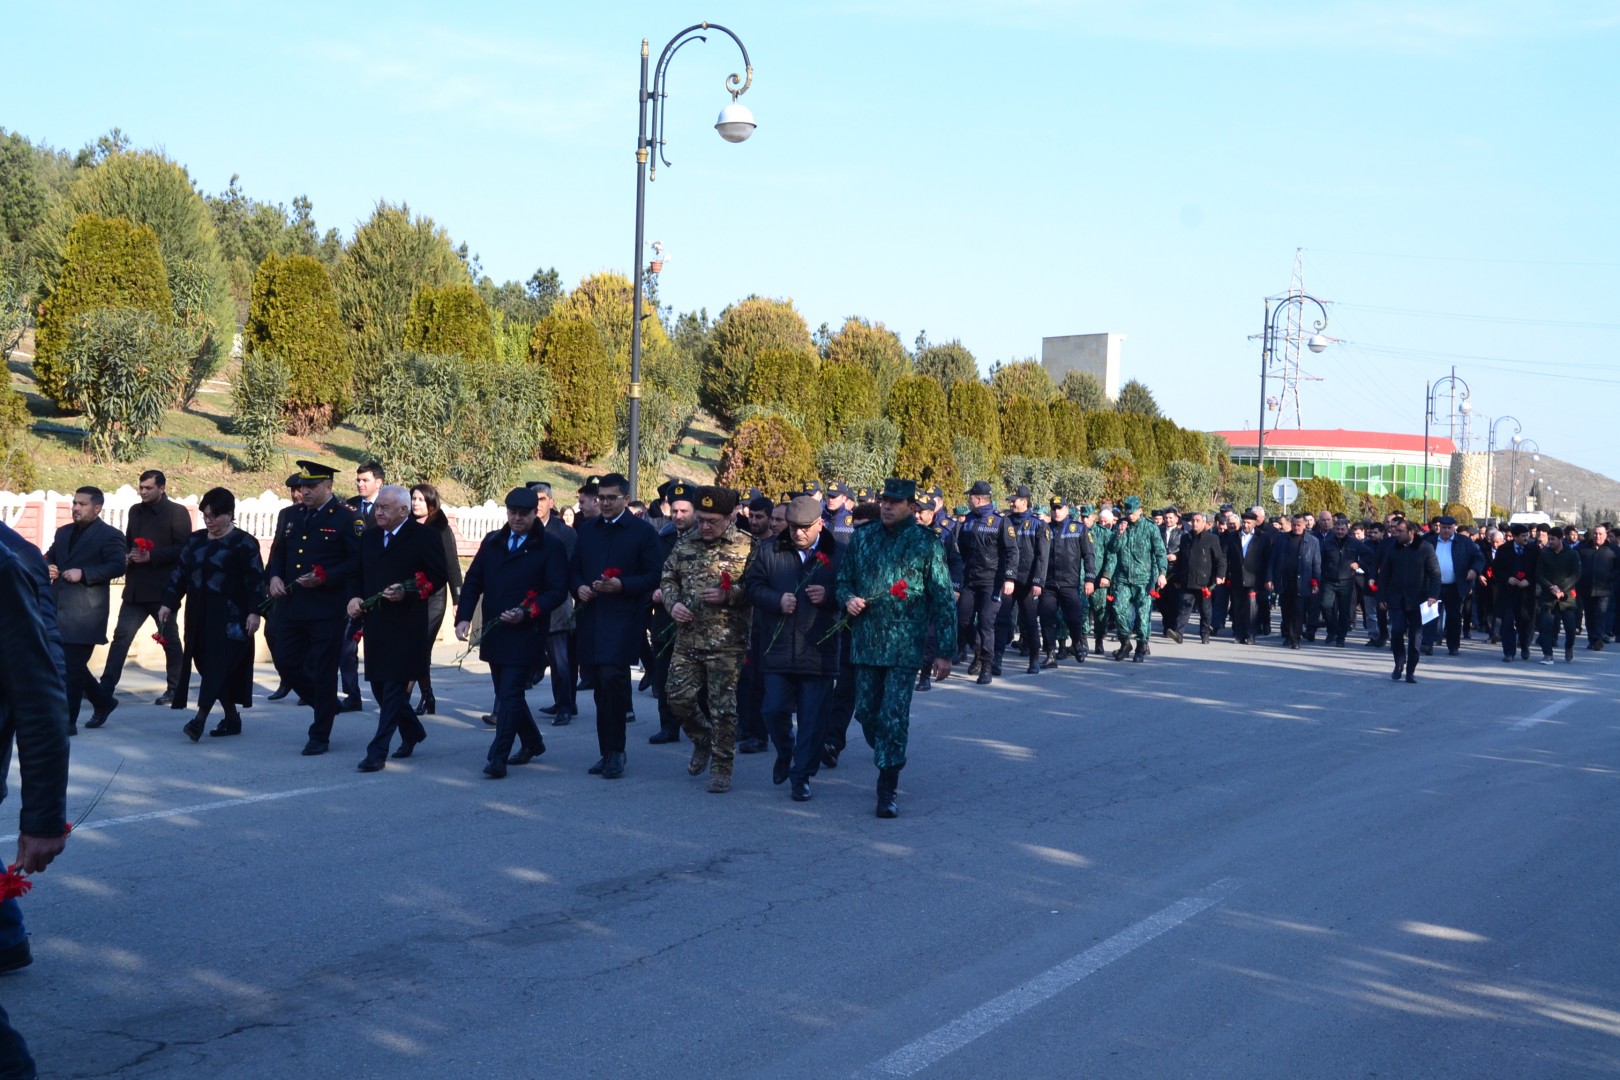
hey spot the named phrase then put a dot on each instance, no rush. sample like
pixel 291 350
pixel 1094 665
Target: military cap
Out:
pixel 1056 501
pixel 313 472
pixel 934 492
pixel 1021 492
pixel 864 494
pixel 294 481
pixel 681 491
pixel 591 485
pixel 1131 504
pixel 834 487
pixel 803 510
pixel 716 500
pixel 902 490
pixel 755 493
pixel 1086 509
pixel 961 511
pixel 522 498
pixel 980 487
pixel 813 487
pixel 663 489
pixel 1447 520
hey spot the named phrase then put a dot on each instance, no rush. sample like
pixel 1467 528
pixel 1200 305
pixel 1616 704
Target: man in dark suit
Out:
pixel 368 482
pixel 1460 566
pixel 1295 576
pixel 394 552
pixel 558 652
pixel 85 555
pixel 309 578
pixel 1513 586
pixel 1599 563
pixel 271 624
pixel 158 528
pixel 1408 579
pixel 521 575
pixel 1247 558
pixel 1201 566
pixel 612 612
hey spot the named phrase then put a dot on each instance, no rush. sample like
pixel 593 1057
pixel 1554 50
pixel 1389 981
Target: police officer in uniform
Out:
pixel 309 580
pixel 987 557
pixel 1071 566
pixel 1028 574
pixel 930 516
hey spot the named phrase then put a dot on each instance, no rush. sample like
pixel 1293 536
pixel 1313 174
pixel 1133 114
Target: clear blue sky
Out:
pixel 990 172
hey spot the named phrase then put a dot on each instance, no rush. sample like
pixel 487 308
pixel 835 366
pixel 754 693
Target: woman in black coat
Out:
pixel 221 577
pixel 426 510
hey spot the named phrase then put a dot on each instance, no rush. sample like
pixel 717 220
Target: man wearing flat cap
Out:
pixel 892 582
pixel 309 578
pixel 702 587
pixel 520 573
pixel 1136 568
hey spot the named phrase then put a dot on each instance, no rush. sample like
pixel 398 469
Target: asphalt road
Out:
pixel 1243 862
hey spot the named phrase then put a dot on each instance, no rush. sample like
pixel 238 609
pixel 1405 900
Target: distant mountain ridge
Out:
pixel 1579 495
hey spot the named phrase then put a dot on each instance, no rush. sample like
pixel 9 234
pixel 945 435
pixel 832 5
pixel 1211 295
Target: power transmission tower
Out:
pixel 1288 408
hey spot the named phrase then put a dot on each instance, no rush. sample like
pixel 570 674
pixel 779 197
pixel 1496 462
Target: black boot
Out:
pixel 1400 664
pixel 1051 660
pixel 1034 662
pixel 977 665
pixel 1123 651
pixel 995 663
pixel 888 784
pixel 924 681
pixel 1141 653
pixel 194 726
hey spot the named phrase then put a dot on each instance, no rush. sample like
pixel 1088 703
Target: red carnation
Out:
pixel 1572 594
pixel 612 572
pixel 531 595
pixel 1153 593
pixel 821 557
pixel 1205 591
pixel 143 543
pixel 532 608
pixel 160 639
pixel 1313 583
pixel 1520 575
pixel 1373 586
pixel 13 884
pixel 725 580
pixel 320 574
pixel 1110 598
pixel 898 589
pixel 424 587
pixel 359 633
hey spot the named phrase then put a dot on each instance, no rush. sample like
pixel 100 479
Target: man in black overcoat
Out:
pixel 521 575
pixel 611 620
pixel 393 552
pixel 84 557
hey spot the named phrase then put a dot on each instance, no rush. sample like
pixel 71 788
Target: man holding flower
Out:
pixel 892 582
pixel 158 528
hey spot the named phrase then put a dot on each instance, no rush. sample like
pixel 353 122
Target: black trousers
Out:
pixel 1554 619
pixel 1405 632
pixel 1169 605
pixel 1241 608
pixel 1338 608
pixel 349 662
pixel 1292 606
pixel 1597 619
pixel 1515 617
pixel 559 653
pixel 611 687
pixel 1071 602
pixel 513 720
pixel 1024 606
pixel 983 602
pixel 751 696
pixel 394 713
pixel 132 615
pixel 80 683
pixel 1451 607
pixel 308 659
pixel 1261 623
pixel 1220 599
pixel 1186 600
pixel 805 695
pixel 840 704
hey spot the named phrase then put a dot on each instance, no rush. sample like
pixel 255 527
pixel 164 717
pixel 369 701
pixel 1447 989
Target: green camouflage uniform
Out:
pixel 887 639
pixel 708 652
pixel 1103 543
pixel 1135 562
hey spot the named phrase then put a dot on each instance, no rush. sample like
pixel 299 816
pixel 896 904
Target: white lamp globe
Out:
pixel 1317 343
pixel 736 123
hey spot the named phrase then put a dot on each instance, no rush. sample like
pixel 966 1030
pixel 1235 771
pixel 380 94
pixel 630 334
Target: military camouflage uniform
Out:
pixel 1136 560
pixel 708 652
pixel 1105 541
pixel 887 638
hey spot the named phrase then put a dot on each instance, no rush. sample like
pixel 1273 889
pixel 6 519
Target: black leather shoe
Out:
pixel 314 747
pixel 525 755
pixel 801 791
pixel 751 746
pixel 194 728
pixel 646 681
pixel 405 750
pixel 613 768
pixel 99 717
pixel 829 755
pixel 16 957
pixel 1395 676
pixel 225 728
pixel 1034 667
pixel 562 719
pixel 1176 636
pixel 351 704
pixel 1411 677
pixel 279 693
pixel 663 737
pixel 975 666
pixel 779 771
pixel 302 704
pixel 165 698
pixel 372 765
pixel 596 770
pixel 429 707
pixel 551 710
pixel 489 719
pixel 983 679
pixel 924 683
pixel 995 667
pixel 495 770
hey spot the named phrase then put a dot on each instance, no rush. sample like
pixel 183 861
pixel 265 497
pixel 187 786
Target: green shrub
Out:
pixel 917 407
pixel 106 263
pixel 1040 473
pixel 874 347
pixel 846 395
pixel 1189 485
pixel 1085 390
pixel 949 363
pixel 1079 484
pixel 501 424
pixel 974 415
pixel 972 463
pixel 1137 399
pixel 864 456
pixel 766 452
pixel 417 433
pixel 1022 378
pixel 16 464
pixel 743 331
pixel 785 382
pixel 1026 428
pixel 124 367
pixel 584 393
pixel 448 319
pixel 1320 491
pixel 293 315
pixel 1068 430
pixel 257 392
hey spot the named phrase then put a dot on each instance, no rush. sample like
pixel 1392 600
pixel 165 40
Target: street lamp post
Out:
pixel 1428 414
pixel 735 124
pixel 1534 449
pixel 1268 338
pixel 1490 461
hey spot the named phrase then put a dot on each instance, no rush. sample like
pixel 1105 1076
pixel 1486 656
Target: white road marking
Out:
pixel 1545 714
pixel 921 1053
pixel 203 808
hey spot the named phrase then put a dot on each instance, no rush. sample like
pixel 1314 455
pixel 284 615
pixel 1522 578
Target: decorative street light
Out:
pixel 1529 446
pixel 1428 414
pixel 735 124
pixel 1268 338
pixel 1490 461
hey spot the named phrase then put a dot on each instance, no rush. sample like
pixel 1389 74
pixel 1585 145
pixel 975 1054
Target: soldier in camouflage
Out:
pixel 1136 566
pixel 1104 538
pixel 892 583
pixel 702 589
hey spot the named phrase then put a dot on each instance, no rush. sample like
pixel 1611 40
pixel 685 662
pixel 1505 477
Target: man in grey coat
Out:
pixel 1295 576
pixel 84 557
